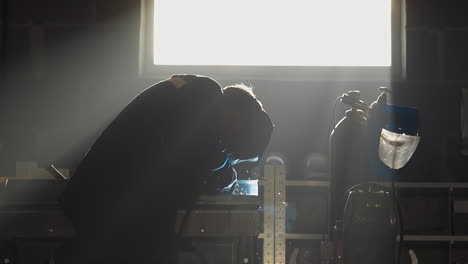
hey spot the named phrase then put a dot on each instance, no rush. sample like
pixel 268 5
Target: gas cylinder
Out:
pixel 349 162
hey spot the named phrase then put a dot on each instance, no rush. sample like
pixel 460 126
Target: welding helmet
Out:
pixel 399 138
pixel 393 138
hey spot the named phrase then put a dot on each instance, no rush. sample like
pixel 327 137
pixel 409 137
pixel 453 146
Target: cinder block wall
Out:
pixel 436 70
pixel 437 39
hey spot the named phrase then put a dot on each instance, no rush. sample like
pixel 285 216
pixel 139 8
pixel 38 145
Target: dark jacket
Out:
pixel 149 162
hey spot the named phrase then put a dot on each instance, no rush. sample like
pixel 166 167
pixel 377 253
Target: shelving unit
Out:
pixel 423 238
pixel 449 241
pixel 275 236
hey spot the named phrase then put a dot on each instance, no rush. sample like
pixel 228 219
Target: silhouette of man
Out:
pixel 175 140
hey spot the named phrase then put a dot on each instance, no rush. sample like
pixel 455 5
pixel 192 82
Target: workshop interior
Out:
pixel 367 162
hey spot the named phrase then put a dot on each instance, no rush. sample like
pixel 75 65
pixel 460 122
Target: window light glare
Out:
pixel 272 32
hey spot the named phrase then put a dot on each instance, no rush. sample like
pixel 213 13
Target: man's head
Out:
pixel 245 130
pixel 245 127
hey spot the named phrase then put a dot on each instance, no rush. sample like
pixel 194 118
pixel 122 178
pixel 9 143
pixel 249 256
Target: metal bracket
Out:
pixel 274 212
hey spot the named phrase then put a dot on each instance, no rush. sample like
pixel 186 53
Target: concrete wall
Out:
pixel 72 66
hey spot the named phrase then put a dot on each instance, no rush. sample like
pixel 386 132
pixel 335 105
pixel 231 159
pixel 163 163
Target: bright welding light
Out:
pixel 223 165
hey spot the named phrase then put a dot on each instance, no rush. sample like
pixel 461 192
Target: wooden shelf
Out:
pixel 428 238
pixel 405 185
pixel 300 236
pixel 409 238
pixel 307 183
pixel 427 185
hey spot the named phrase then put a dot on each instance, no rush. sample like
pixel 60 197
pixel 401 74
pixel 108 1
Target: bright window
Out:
pixel 272 32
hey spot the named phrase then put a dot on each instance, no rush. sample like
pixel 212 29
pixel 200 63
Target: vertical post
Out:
pixel 280 215
pixel 450 192
pixel 274 215
pixel 269 215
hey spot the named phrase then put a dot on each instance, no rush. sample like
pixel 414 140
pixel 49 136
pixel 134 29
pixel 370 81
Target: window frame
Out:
pixel 147 69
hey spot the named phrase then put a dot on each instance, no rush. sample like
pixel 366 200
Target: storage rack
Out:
pixel 275 236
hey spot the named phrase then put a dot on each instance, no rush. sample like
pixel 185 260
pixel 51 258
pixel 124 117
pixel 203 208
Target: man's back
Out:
pixel 145 165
